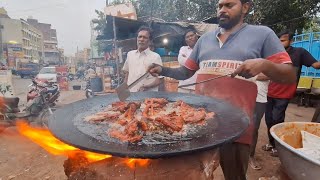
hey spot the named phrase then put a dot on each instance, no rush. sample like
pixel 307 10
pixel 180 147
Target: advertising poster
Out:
pixel 62 77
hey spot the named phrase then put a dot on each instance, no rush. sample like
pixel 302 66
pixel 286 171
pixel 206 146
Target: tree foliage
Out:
pixel 175 10
pixel 280 14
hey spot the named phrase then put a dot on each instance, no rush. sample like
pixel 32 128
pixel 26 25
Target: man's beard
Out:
pixel 229 23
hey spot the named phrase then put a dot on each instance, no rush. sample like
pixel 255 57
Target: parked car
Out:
pixel 28 70
pixel 48 73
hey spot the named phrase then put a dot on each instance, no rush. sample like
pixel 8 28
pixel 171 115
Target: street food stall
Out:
pixel 168 38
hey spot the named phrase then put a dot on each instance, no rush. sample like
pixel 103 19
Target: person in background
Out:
pixel 244 51
pixel 191 39
pixel 90 73
pixel 2 66
pixel 261 102
pixel 138 61
pixel 280 94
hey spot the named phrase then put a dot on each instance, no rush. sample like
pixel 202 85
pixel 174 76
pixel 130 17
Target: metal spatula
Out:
pixel 204 81
pixel 123 90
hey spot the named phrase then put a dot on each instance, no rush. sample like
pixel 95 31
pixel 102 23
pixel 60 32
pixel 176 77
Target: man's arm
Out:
pixel 308 60
pixel 281 73
pixel 126 74
pixel 316 65
pixel 181 73
pixel 262 77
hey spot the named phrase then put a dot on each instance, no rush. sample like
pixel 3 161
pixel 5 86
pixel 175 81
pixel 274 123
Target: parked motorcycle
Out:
pixel 51 88
pixel 71 77
pixel 37 110
pixel 89 92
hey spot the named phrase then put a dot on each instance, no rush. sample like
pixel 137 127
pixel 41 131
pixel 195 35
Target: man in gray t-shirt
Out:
pixel 243 50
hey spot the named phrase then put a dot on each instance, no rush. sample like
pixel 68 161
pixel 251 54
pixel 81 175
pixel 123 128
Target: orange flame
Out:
pixel 45 139
pixel 133 162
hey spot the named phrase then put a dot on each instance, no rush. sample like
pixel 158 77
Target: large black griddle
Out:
pixel 228 124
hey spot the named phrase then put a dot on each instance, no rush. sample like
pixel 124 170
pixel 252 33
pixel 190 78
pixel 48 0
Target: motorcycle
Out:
pixel 51 88
pixel 71 77
pixel 37 110
pixel 89 92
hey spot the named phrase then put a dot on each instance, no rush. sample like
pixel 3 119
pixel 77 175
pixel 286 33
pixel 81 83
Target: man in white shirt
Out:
pixel 261 102
pixel 138 62
pixel 190 38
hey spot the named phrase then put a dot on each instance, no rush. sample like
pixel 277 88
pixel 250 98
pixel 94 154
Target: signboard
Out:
pixel 62 77
pixel 126 10
pixel 12 53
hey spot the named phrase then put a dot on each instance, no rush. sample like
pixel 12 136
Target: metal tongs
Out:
pixel 123 90
pixel 204 81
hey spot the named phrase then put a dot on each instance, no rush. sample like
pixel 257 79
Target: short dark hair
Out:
pixel 286 31
pixel 145 28
pixel 189 30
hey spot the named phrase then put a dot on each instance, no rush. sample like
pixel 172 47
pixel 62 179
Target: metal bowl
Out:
pixel 288 137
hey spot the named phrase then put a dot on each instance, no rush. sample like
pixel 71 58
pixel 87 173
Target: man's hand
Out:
pixel 250 68
pixel 142 88
pixel 154 69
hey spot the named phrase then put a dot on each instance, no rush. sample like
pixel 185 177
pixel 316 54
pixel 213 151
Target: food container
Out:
pixel 288 140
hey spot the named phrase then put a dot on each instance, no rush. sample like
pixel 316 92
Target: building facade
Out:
pixel 20 41
pixel 32 42
pixel 83 56
pixel 50 42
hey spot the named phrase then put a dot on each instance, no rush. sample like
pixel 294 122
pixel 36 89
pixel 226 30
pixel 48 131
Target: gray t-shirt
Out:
pixel 211 58
pixel 249 42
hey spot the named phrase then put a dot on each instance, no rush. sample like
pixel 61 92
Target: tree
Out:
pixel 172 10
pixel 99 26
pixel 280 14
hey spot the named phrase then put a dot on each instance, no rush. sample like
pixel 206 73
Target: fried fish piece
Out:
pixel 174 123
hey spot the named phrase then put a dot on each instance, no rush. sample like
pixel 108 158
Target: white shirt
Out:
pixel 262 91
pixel 184 54
pixel 137 64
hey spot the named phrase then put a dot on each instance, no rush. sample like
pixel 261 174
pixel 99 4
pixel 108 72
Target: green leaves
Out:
pixel 280 14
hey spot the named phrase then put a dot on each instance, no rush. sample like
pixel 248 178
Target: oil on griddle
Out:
pixel 152 121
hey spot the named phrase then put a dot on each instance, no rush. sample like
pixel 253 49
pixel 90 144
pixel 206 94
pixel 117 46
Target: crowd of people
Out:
pixel 265 70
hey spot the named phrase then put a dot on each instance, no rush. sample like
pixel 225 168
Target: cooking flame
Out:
pixel 45 139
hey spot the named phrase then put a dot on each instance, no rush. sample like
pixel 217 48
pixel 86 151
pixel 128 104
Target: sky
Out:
pixel 71 18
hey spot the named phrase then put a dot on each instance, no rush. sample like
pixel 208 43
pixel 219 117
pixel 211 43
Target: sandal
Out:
pixel 267 147
pixel 274 152
pixel 254 164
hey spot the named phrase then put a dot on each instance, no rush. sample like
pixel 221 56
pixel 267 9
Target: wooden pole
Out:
pixel 116 49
